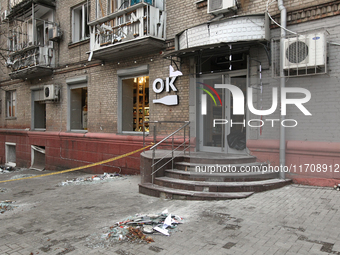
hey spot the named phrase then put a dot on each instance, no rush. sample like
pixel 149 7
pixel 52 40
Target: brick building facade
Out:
pixel 98 54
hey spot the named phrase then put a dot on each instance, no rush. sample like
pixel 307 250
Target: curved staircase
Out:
pixel 184 181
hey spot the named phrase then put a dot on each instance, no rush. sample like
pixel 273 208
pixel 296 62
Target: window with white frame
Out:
pixel 80 29
pixel 120 4
pixel 111 6
pixel 99 9
pixel 11 103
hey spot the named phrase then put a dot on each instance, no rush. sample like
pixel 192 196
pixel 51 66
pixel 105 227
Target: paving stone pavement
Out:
pixel 71 220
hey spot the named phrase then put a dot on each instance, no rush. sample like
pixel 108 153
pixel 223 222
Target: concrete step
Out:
pixel 208 186
pixel 220 168
pixel 170 193
pixel 219 177
pixel 217 158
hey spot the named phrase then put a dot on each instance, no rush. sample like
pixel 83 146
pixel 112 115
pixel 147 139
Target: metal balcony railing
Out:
pixel 29 48
pixel 13 3
pixel 137 20
pixel 22 3
pixel 31 56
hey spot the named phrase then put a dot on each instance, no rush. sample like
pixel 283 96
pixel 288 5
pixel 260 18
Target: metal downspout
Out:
pixel 283 10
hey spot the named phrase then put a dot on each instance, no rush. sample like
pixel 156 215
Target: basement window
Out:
pixel 135 104
pixel 10 150
pixel 80 29
pixel 38 157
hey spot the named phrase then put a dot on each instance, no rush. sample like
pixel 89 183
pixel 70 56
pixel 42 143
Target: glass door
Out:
pixel 236 135
pixel 212 109
pixel 215 115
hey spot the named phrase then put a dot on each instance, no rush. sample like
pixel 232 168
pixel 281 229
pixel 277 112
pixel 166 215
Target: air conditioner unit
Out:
pixel 54 34
pixel 51 92
pixel 220 6
pixel 305 51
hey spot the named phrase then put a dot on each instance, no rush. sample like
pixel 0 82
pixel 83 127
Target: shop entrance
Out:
pixel 216 104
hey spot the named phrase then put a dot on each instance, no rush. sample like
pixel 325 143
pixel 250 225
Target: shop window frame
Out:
pixel 128 73
pixel 74 83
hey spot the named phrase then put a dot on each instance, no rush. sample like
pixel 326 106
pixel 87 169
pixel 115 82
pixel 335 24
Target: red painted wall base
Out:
pixel 68 150
pixel 311 163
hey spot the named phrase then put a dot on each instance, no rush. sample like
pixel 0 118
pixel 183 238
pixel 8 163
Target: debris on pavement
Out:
pixel 6 169
pixel 337 187
pixel 92 179
pixel 19 176
pixel 3 190
pixel 134 228
pixel 6 206
pixel 136 234
pixel 10 169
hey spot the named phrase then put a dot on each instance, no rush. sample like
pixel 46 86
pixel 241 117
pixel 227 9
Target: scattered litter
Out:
pixel 92 179
pixel 6 169
pixel 10 169
pixel 148 229
pixel 337 187
pixel 6 206
pixel 162 230
pixel 7 201
pixel 134 228
pixel 3 190
pixel 21 176
pixel 137 234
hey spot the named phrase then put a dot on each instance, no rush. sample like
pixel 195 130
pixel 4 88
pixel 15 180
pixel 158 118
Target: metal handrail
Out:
pixel 160 122
pixel 153 148
pixel 170 152
pixel 165 162
pixel 173 133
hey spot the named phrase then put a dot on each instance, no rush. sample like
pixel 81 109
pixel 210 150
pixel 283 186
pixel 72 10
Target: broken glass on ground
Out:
pixel 3 190
pixel 135 228
pixel 6 206
pixel 92 179
pixel 6 169
pixel 9 169
pixel 19 176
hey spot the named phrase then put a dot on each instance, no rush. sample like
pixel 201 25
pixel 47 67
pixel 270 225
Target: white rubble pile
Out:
pixel 92 179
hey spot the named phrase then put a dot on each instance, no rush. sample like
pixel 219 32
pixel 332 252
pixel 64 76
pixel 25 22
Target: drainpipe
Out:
pixel 283 10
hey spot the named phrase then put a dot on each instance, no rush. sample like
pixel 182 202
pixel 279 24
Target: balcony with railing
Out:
pixel 17 7
pixel 136 27
pixel 30 44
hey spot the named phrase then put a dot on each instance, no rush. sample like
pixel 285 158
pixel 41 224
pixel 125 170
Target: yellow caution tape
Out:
pixel 81 167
